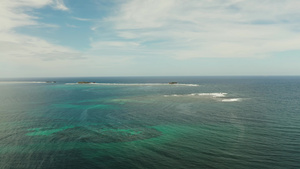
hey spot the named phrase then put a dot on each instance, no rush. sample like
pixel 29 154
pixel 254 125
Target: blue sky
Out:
pixel 64 38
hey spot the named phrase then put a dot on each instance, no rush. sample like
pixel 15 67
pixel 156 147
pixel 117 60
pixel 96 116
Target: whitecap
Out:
pixel 231 100
pixel 200 94
pixel 212 94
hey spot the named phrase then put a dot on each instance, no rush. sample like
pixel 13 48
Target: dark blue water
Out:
pixel 144 122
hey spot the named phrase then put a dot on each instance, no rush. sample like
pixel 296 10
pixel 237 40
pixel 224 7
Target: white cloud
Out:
pixel 15 13
pixel 24 56
pixel 16 46
pixel 20 49
pixel 82 19
pixel 71 26
pixel 59 4
pixel 219 28
pixel 108 44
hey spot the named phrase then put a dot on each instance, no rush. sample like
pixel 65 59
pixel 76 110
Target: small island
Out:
pixel 172 82
pixel 83 82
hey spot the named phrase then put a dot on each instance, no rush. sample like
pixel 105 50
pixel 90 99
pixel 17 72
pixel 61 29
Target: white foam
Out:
pixel 200 94
pixel 189 84
pixel 212 94
pixel 231 100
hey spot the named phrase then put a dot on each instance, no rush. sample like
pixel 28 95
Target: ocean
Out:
pixel 146 123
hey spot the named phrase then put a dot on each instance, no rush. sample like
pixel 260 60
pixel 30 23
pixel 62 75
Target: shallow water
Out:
pixel 143 122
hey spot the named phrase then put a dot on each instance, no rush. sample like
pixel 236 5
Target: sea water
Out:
pixel 144 122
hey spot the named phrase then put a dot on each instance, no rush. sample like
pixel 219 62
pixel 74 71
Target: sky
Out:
pixel 75 38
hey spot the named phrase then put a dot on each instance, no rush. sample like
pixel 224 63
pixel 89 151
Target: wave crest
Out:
pixel 231 100
pixel 199 94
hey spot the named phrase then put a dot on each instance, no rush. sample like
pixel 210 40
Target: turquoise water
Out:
pixel 143 122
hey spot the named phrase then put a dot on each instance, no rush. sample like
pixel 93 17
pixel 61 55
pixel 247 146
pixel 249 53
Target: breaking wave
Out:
pixel 199 94
pixel 231 100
